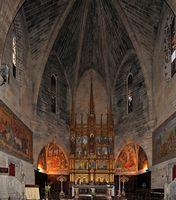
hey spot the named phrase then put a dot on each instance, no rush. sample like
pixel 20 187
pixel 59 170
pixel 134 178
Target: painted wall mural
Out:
pixel 164 141
pixel 131 160
pixel 15 136
pixel 52 160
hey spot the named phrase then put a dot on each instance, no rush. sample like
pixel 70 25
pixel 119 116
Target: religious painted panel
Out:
pixel 164 141
pixel 52 160
pixel 15 136
pixel 126 161
pixel 102 164
pixel 81 164
pixel 56 162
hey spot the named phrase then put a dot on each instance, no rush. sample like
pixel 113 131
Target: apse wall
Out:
pixel 13 186
pixel 17 94
pixel 49 125
pixel 131 127
pixel 163 83
pixel 164 99
pixel 82 99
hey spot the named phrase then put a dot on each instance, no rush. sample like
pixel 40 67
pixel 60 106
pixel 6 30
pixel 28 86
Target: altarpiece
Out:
pixel 92 147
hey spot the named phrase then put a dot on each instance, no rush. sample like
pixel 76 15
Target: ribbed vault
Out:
pixel 90 34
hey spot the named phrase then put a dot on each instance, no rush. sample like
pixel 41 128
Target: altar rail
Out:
pixel 92 191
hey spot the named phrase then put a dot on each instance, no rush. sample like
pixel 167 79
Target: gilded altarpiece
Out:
pixel 92 148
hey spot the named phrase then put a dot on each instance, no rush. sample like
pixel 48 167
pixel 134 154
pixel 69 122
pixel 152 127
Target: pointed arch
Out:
pixel 131 160
pixel 82 93
pixel 49 44
pixel 53 160
pixel 53 91
pixel 6 20
pixel 129 93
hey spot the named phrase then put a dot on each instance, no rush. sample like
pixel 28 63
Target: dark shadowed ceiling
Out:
pixel 93 33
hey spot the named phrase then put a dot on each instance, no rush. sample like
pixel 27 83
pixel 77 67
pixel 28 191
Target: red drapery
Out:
pixel 174 172
pixel 11 169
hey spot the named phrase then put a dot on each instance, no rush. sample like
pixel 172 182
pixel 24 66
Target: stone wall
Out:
pixel 163 96
pixel 162 173
pixel 163 86
pixel 53 67
pixel 48 125
pixel 13 186
pixel 131 127
pixel 82 98
pixel 17 96
pixel 17 93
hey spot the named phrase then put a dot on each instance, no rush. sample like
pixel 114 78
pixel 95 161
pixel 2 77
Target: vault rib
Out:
pixel 80 45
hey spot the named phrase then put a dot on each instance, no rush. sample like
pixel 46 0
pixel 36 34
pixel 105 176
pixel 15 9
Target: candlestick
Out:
pixel 119 191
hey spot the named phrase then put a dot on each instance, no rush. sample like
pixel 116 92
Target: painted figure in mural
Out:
pixel 168 143
pixel 126 159
pixel 92 165
pixel 14 135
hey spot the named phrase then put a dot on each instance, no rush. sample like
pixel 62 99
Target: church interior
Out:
pixel 87 99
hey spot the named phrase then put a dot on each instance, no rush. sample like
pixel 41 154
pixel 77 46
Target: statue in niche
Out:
pixel 91 143
pixel 72 145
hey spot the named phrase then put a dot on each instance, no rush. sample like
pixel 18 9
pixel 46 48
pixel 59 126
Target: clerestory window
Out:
pixel 53 94
pixel 130 93
pixel 14 56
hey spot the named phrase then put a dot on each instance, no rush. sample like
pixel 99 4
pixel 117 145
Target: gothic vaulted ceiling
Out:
pixel 92 33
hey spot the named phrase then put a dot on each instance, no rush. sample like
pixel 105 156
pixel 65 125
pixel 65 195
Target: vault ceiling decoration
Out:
pixel 93 33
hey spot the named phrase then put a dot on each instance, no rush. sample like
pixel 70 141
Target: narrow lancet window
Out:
pixel 53 94
pixel 14 56
pixel 130 93
pixel 173 47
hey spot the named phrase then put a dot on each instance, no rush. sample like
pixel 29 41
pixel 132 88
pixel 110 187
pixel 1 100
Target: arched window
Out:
pixel 173 47
pixel 170 46
pixel 14 55
pixel 130 93
pixel 53 94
